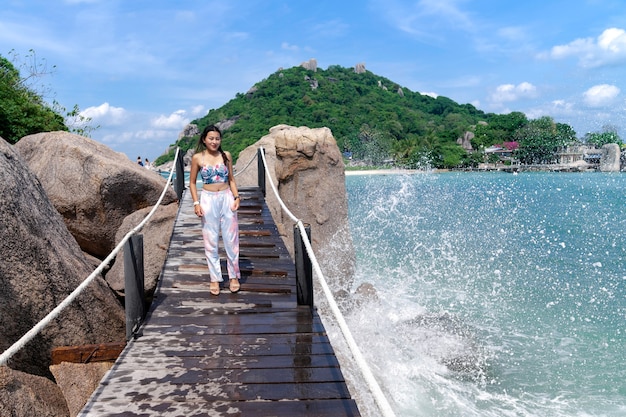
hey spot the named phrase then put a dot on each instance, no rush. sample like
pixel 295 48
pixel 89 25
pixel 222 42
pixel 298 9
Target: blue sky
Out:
pixel 143 69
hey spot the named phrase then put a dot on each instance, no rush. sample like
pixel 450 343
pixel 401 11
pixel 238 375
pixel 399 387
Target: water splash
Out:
pixel 492 302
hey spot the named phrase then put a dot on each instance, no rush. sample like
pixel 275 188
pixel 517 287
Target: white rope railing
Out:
pixel 247 165
pixel 28 336
pixel 378 394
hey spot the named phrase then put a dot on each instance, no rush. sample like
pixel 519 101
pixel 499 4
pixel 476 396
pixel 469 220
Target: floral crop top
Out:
pixel 214 174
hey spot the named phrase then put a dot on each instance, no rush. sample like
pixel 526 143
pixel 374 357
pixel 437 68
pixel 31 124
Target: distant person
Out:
pixel 147 164
pixel 217 206
pixel 139 161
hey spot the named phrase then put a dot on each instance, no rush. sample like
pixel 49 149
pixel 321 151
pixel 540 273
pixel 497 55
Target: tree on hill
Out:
pixel 22 110
pixel 501 128
pixel 540 139
pixel 599 139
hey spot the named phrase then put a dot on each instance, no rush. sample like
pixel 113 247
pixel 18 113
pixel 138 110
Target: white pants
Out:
pixel 218 216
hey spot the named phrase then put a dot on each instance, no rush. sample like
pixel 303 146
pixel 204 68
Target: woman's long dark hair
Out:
pixel 201 146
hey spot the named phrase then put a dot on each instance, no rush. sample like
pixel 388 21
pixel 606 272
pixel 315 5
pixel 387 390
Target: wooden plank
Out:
pixel 259 408
pixel 288 341
pixel 103 352
pixel 174 347
pixel 148 366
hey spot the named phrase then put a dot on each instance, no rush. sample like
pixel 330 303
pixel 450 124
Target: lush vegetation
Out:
pixel 608 135
pixel 378 122
pixel 22 110
pixel 372 118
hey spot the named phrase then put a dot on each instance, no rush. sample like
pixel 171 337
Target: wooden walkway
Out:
pixel 254 353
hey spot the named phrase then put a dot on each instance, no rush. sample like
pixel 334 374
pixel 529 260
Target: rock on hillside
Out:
pixel 91 186
pixel 308 168
pixel 41 264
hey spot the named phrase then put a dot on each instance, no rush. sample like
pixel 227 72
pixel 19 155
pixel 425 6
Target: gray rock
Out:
pixel 311 64
pixel 93 187
pixel 78 381
pixel 308 169
pixel 156 237
pixel 610 159
pixel 41 265
pixel 24 395
pixel 466 140
pixel 189 131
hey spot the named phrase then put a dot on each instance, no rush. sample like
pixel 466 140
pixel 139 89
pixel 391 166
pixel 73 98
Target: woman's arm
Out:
pixel 193 176
pixel 231 181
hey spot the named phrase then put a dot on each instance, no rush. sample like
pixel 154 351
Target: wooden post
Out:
pixel 304 268
pixel 134 284
pixel 261 170
pixel 179 181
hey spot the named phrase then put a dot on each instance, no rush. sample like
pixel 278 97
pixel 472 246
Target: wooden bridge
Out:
pixel 254 353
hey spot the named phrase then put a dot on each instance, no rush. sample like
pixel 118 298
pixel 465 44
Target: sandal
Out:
pixel 214 288
pixel 234 285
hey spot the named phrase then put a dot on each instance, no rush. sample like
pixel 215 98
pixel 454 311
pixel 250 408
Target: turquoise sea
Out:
pixel 499 294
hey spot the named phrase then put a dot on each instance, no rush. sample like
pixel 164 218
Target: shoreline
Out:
pixel 515 170
pixel 385 172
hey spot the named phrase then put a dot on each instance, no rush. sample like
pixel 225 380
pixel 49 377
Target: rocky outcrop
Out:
pixel 312 82
pixel 41 264
pixel 90 185
pixel 78 381
pixel 22 394
pixel 311 64
pixel 189 131
pixel 466 141
pixel 610 159
pixel 156 238
pixel 359 68
pixel 224 125
pixel 307 167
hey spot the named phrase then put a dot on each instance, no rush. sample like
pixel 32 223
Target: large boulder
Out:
pixel 156 238
pixel 41 264
pixel 307 167
pixel 78 381
pixel 93 187
pixel 610 159
pixel 22 395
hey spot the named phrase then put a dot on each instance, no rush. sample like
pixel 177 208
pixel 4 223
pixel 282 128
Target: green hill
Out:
pixel 373 119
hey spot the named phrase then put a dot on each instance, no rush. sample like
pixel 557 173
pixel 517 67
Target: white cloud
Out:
pixel 430 94
pixel 511 92
pixel 197 110
pixel 80 1
pixel 608 48
pixel 286 46
pixel 105 113
pixel 562 107
pixel 152 134
pixel 176 120
pixel 600 95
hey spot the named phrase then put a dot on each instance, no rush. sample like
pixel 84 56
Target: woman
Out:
pixel 217 206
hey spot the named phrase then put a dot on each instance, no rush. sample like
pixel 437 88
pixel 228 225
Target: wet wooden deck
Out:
pixel 254 353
